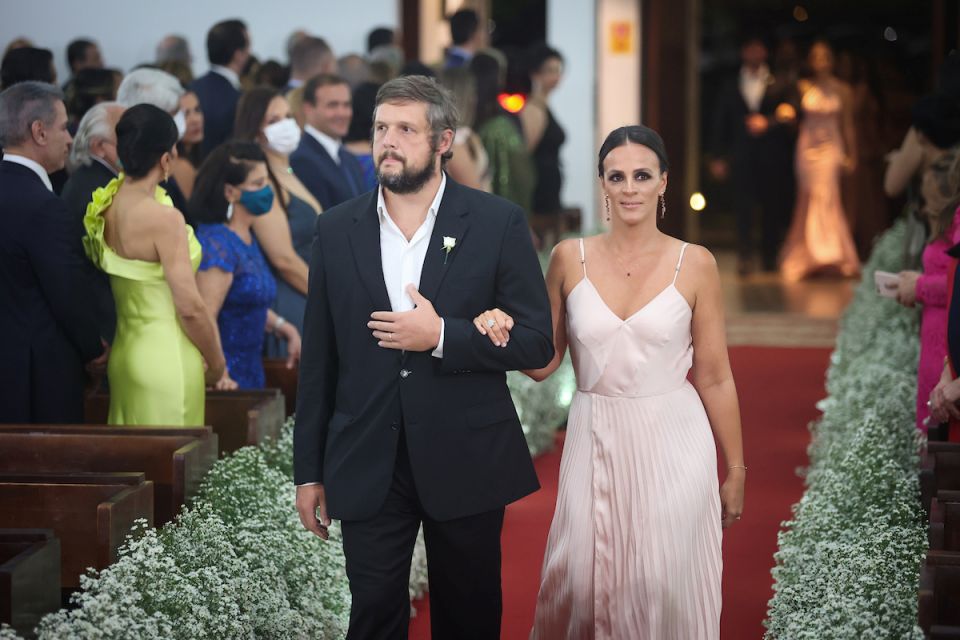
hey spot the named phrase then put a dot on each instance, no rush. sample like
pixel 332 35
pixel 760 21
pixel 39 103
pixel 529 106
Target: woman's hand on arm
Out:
pixel 288 332
pixel 273 234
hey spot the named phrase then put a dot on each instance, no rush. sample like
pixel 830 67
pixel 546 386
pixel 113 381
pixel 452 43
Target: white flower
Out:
pixel 448 245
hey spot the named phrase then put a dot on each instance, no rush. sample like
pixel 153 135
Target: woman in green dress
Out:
pixel 166 347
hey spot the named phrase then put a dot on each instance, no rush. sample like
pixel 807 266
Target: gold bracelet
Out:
pixel 737 466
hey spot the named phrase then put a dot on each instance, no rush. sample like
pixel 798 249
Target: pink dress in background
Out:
pixel 819 238
pixel 932 294
pixel 634 549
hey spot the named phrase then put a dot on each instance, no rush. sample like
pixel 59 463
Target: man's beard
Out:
pixel 409 180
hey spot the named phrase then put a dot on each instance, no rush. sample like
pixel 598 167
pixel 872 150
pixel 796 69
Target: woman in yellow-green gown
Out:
pixel 166 348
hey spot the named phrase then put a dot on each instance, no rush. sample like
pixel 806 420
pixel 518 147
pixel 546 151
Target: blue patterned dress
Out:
pixel 244 312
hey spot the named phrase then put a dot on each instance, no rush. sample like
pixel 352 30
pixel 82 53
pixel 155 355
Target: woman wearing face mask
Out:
pixel 165 333
pixel 188 149
pixel 232 192
pixel 286 231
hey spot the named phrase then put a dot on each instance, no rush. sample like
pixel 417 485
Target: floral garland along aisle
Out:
pixel 849 560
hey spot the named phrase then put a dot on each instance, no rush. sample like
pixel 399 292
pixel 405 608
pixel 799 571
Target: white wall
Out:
pixel 129 31
pixel 571 30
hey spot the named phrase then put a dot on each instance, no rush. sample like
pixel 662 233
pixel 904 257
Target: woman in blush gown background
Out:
pixel 634 547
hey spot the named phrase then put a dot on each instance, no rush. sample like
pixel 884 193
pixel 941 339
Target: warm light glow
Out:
pixel 800 14
pixel 698 202
pixel 512 102
pixel 890 34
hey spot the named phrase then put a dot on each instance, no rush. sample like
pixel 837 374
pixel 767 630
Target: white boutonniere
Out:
pixel 448 245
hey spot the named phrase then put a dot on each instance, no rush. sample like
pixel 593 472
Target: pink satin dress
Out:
pixel 819 238
pixel 634 549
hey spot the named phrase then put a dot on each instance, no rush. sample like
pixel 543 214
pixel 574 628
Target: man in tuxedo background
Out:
pixel 404 415
pixel 754 133
pixel 228 49
pixel 49 327
pixel 331 173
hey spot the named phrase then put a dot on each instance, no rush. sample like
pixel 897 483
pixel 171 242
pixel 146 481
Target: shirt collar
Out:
pixel 460 51
pixel 434 206
pixel 762 73
pixel 227 73
pixel 332 145
pixel 31 164
pixel 105 164
pixel 293 83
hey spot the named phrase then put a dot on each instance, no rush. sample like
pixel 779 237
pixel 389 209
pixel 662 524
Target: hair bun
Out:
pixel 144 134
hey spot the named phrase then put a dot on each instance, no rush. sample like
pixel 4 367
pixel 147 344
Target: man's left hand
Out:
pixel 416 330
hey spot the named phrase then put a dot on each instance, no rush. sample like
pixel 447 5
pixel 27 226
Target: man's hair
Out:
pixel 150 86
pixel 173 48
pixel 224 39
pixel 77 51
pixel 379 37
pixel 441 109
pixel 97 123
pixel 354 69
pixel 26 63
pixel 463 24
pixel 23 104
pixel 317 81
pixel 308 53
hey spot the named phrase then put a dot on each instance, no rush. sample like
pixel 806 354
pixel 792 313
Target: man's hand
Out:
pixel 98 366
pixel 417 330
pixel 311 499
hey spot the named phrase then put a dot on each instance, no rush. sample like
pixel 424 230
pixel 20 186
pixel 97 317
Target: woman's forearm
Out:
pixel 723 411
pixel 294 271
pixel 202 331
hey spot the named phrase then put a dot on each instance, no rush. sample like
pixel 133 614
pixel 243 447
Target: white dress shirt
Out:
pixel 227 73
pixel 753 84
pixel 332 145
pixel 34 166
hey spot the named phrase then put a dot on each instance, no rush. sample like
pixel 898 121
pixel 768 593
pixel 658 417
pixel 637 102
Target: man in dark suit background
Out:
pixel 754 132
pixel 93 163
pixel 331 173
pixel 228 49
pixel 404 415
pixel 49 327
pixel 467 38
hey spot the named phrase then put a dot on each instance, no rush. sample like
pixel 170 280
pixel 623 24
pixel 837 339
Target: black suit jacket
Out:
pixel 356 399
pixel 218 99
pixel 319 173
pixel 48 324
pixel 77 194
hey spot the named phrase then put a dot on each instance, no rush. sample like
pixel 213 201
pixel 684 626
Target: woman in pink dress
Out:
pixel 634 548
pixel 819 239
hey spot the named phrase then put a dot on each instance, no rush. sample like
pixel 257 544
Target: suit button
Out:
pixel 395 426
pixel 404 373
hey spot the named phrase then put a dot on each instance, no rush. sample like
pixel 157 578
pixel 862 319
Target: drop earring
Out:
pixel 606 202
pixel 663 206
pixel 229 210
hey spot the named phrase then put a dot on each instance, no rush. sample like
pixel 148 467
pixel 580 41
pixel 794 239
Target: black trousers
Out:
pixel 463 559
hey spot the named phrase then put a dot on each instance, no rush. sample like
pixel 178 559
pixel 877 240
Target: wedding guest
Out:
pixel 310 56
pixel 88 88
pixel 174 48
pixel 271 74
pixel 467 38
pixel 357 140
pixel 470 165
pixel 285 233
pixel 379 37
pixel 83 54
pixel 49 327
pixel 228 50
pixel 27 63
pixel 331 173
pixel 944 401
pixel 166 345
pixel 188 149
pixel 232 191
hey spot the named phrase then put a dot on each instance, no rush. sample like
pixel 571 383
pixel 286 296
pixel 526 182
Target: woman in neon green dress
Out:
pixel 165 334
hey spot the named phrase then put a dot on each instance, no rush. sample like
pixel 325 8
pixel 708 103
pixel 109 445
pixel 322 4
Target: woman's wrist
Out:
pixel 278 324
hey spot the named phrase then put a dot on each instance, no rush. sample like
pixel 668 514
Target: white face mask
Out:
pixel 181 121
pixel 283 136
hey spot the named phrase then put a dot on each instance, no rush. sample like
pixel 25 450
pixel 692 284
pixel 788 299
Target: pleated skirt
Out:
pixel 634 550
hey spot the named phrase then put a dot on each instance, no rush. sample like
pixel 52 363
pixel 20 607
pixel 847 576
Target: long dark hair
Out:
pixel 230 163
pixel 636 134
pixel 248 126
pixel 486 69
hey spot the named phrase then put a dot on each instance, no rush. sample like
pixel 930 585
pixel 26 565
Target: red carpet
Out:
pixel 778 388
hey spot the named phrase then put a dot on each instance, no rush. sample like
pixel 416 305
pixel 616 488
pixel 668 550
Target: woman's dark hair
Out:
pixel 538 54
pixel 26 63
pixel 230 163
pixel 937 117
pixel 272 74
pixel 88 87
pixel 144 134
pixel 364 103
pixel 486 69
pixel 248 125
pixel 634 134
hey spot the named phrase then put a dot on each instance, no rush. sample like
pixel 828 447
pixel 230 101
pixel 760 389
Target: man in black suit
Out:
pixel 467 38
pixel 49 327
pixel 93 163
pixel 753 138
pixel 404 415
pixel 331 173
pixel 228 49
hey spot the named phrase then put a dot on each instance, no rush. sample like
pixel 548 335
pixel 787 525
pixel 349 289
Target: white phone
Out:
pixel 888 284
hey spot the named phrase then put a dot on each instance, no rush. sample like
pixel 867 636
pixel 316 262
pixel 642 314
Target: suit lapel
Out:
pixel 452 222
pixel 365 243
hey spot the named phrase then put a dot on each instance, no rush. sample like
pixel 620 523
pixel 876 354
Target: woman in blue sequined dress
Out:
pixel 231 191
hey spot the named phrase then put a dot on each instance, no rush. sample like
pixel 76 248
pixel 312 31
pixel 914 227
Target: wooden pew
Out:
pixel 239 418
pixel 91 513
pixel 279 377
pixel 173 458
pixel 29 577
pixel 945 521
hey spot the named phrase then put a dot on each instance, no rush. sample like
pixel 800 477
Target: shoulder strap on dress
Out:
pixel 676 271
pixel 583 259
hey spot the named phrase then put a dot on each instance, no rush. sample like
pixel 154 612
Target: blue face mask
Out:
pixel 257 202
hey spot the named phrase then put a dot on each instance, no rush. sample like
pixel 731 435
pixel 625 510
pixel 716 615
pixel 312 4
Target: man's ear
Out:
pixel 39 132
pixel 446 141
